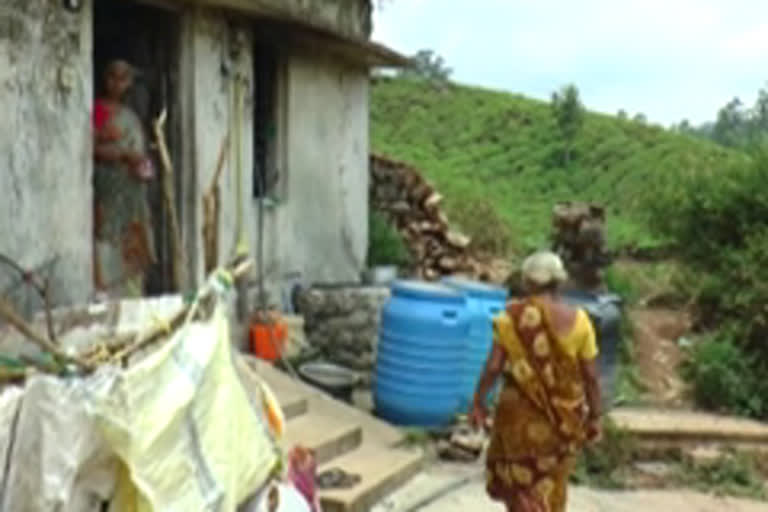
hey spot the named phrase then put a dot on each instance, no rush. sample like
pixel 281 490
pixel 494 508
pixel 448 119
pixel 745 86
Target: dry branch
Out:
pixel 170 200
pixel 211 208
pixel 9 314
pixel 43 290
pixel 126 350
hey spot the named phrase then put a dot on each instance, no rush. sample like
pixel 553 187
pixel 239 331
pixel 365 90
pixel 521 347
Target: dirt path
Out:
pixel 472 497
pixel 657 354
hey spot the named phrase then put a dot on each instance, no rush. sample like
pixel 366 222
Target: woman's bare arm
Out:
pixel 493 368
pixel 107 153
pixel 592 388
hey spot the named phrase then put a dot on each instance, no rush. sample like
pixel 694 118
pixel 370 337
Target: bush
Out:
pixel 599 463
pixel 725 378
pixel 736 474
pixel 489 231
pixel 720 224
pixel 386 246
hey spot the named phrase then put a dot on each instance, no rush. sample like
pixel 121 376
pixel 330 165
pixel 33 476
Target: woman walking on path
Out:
pixel 549 407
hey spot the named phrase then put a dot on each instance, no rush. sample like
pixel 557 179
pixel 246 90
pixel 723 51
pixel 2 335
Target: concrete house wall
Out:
pixel 317 227
pixel 45 146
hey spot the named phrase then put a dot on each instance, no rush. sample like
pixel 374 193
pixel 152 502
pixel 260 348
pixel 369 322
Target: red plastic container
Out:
pixel 268 340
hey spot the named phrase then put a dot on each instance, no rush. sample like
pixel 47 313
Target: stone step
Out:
pixel 328 436
pixel 293 398
pixel 382 470
pixel 668 425
pixel 346 438
pixel 293 405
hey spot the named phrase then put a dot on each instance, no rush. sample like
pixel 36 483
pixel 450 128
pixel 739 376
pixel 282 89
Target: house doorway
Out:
pixel 148 38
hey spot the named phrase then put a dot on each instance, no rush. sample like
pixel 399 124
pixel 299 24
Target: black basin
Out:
pixel 335 380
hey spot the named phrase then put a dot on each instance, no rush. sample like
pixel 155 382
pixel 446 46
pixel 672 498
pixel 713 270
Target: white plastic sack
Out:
pixel 58 460
pixel 176 432
pixel 10 401
pixel 184 427
pixel 288 500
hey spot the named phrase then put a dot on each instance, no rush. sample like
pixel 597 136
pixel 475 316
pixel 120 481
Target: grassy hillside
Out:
pixel 495 155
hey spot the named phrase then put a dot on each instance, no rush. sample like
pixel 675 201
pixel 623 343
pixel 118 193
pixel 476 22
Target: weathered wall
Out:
pixel 325 219
pixel 351 18
pixel 45 147
pixel 209 114
pixel 318 227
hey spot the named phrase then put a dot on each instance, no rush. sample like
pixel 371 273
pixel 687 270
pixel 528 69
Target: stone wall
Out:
pixel 344 324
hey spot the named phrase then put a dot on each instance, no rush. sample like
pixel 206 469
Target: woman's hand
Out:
pixel 132 158
pixel 139 164
pixel 478 416
pixel 594 430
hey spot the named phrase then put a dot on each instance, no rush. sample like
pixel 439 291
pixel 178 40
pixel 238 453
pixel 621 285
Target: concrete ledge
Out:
pixel 688 425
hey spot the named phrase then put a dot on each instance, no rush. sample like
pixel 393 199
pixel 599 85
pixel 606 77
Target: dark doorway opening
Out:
pixel 148 38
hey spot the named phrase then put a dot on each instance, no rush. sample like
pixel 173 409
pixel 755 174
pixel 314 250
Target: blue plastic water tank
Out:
pixel 419 357
pixel 484 302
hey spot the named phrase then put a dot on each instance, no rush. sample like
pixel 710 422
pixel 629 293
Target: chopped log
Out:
pixel 431 274
pixel 433 200
pixel 420 192
pixel 401 207
pixel 448 263
pixel 457 240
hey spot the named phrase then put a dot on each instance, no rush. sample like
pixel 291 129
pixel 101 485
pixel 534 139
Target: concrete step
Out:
pixel 328 436
pixel 293 405
pixel 659 433
pixel 346 438
pixel 382 470
pixel 293 399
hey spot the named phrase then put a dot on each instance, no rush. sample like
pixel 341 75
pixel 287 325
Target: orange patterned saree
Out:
pixel 540 420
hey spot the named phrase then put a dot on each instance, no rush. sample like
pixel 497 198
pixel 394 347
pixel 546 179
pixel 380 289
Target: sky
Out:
pixel 668 59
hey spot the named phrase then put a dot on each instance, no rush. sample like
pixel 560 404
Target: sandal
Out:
pixel 337 479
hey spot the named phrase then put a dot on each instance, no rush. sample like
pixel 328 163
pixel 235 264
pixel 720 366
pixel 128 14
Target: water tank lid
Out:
pixel 425 290
pixel 477 289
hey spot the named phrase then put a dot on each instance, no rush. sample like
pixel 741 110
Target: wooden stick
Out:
pixel 43 290
pixel 220 163
pixel 48 313
pixel 170 199
pixel 9 314
pixel 176 321
pixel 211 212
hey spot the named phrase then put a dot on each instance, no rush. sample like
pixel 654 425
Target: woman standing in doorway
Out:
pixel 123 241
pixel 549 406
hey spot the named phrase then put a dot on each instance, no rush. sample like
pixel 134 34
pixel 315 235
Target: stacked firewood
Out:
pixel 412 205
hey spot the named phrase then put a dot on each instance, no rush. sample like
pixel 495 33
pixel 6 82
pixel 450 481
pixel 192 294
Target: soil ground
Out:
pixel 657 353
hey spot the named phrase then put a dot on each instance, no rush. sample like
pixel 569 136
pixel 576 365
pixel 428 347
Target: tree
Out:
pixel 683 127
pixel 569 115
pixel 760 116
pixel 640 118
pixel 426 64
pixel 622 114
